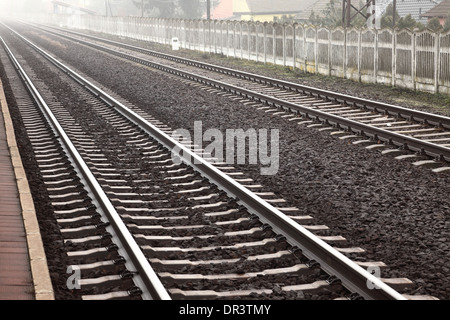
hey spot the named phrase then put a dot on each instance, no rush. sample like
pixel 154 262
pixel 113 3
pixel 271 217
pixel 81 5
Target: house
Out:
pixel 318 7
pixel 223 11
pixel 416 8
pixel 268 10
pixel 69 8
pixel 440 11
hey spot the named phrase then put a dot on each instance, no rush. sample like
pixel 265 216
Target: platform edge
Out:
pixel 42 284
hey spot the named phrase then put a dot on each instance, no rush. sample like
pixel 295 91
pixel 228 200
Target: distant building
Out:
pixel 440 11
pixel 63 7
pixel 267 10
pixel 416 8
pixel 317 7
pixel 223 11
pixel 96 7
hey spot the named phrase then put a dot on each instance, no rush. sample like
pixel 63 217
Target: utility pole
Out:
pixel 394 8
pixel 346 6
pixel 347 13
pixel 348 16
pixel 108 10
pixel 142 8
pixel 208 9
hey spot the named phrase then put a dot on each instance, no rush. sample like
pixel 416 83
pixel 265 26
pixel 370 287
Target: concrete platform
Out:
pixel 24 272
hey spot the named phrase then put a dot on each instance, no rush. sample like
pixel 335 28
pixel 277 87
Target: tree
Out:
pixel 406 22
pixel 386 19
pixel 447 24
pixel 331 16
pixel 284 19
pixel 314 19
pixel 161 8
pixel 188 9
pixel 434 24
pixel 191 9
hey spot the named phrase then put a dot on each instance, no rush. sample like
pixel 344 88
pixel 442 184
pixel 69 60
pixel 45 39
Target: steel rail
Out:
pixel 153 285
pixel 352 276
pixel 398 111
pixel 392 138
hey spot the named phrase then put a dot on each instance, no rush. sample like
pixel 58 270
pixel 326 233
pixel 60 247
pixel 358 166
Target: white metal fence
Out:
pixel 415 60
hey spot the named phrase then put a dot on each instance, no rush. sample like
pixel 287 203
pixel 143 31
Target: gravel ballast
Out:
pixel 397 212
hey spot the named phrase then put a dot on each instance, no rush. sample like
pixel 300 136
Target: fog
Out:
pixel 11 8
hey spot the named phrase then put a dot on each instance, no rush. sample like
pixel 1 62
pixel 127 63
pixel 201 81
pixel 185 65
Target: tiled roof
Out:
pixel 440 10
pixel 316 6
pixel 416 8
pixel 280 6
pixel 224 10
pixel 304 8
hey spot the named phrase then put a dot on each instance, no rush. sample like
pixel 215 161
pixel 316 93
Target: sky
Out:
pixel 10 6
pixel 13 6
pixel 118 7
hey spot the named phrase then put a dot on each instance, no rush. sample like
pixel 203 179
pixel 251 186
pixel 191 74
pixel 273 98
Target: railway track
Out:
pixel 138 225
pixel 405 133
pixel 76 198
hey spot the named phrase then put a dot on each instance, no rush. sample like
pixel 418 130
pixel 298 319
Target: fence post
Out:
pixel 204 36
pixel 249 39
pixel 265 42
pixel 215 36
pixel 437 60
pixel 359 54
pixel 294 45
pixel 240 40
pixel 227 39
pixel 221 37
pixel 284 44
pixel 274 42
pixel 316 50
pixel 413 60
pixel 375 62
pixel 140 36
pixel 256 41
pixel 394 58
pixel 305 56
pixel 234 39
pixel 329 52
